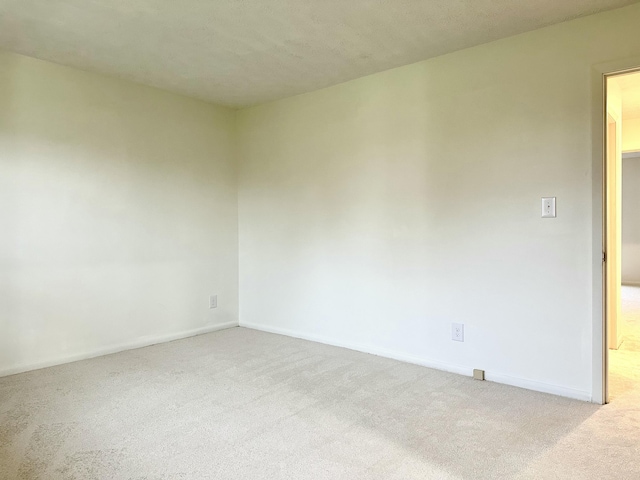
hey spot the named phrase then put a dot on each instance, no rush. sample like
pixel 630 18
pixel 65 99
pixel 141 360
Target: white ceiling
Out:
pixel 238 53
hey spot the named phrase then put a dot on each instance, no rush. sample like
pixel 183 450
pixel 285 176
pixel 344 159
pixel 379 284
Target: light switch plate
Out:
pixel 548 207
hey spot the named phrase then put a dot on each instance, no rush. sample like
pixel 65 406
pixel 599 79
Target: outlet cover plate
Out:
pixel 548 207
pixel 213 301
pixel 457 332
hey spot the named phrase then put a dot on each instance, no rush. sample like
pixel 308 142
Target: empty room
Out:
pixel 319 240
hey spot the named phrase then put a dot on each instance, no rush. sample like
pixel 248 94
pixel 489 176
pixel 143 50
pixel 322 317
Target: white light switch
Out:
pixel 549 207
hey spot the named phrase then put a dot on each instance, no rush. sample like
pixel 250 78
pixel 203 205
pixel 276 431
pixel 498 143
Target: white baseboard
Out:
pixel 381 352
pixel 437 365
pixel 539 386
pixel 138 343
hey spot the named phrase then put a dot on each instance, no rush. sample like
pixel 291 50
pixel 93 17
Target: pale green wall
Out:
pixel 375 213
pixel 118 212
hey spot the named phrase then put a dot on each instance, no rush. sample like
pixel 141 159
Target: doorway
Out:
pixel 621 238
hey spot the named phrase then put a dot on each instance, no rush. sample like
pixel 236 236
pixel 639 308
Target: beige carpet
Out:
pixel 241 404
pixel 624 363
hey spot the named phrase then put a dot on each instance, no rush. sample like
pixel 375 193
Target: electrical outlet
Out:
pixel 457 332
pixel 213 301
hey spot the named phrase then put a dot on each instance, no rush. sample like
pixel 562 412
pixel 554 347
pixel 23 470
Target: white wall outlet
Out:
pixel 549 207
pixel 457 332
pixel 213 301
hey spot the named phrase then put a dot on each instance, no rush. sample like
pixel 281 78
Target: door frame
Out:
pixel 600 351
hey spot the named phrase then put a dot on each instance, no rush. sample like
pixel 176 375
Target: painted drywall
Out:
pixel 631 134
pixel 631 221
pixel 118 207
pixel 375 213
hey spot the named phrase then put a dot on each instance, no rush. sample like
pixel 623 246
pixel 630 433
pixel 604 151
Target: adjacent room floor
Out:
pixel 624 363
pixel 242 404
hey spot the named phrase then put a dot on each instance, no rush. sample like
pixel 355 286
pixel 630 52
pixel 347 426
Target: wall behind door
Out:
pixel 631 221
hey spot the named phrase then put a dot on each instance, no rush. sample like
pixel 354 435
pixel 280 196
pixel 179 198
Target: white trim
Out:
pixel 598 332
pixel 539 386
pixel 139 343
pixel 381 352
pixel 447 367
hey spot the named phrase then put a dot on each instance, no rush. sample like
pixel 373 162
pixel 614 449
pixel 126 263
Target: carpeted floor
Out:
pixel 624 363
pixel 242 404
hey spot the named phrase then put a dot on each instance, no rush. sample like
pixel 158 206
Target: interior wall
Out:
pixel 375 213
pixel 631 134
pixel 630 221
pixel 118 206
